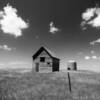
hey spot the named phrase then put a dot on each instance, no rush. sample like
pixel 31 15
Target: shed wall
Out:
pixel 55 64
pixel 44 66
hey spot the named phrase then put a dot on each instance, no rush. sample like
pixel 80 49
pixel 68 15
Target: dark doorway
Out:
pixel 37 67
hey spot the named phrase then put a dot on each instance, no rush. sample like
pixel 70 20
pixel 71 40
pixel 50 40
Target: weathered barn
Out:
pixel 72 65
pixel 45 61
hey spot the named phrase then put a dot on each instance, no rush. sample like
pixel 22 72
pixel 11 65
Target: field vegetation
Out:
pixel 49 86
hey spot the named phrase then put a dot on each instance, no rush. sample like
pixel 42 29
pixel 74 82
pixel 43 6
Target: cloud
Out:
pixel 87 57
pixel 91 17
pixel 94 57
pixel 71 61
pixel 53 29
pixel 95 42
pixel 10 22
pixel 6 48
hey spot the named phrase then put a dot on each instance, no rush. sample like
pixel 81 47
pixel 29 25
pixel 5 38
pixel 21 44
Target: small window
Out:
pixel 42 59
pixel 48 63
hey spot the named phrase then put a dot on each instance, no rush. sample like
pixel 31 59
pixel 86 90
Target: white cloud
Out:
pixel 88 14
pixel 94 57
pixel 53 29
pixel 87 57
pixel 94 42
pixel 10 22
pixel 71 61
pixel 91 17
pixel 5 47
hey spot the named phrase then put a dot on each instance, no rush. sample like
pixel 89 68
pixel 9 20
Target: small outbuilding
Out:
pixel 71 65
pixel 45 61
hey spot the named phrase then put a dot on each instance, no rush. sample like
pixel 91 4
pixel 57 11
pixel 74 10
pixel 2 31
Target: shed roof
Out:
pixel 51 54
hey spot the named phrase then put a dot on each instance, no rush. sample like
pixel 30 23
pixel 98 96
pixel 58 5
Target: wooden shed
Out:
pixel 45 61
pixel 72 65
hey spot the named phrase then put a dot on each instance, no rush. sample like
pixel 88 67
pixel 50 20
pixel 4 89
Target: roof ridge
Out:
pixel 52 54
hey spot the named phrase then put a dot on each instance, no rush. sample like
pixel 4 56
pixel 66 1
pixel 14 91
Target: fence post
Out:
pixel 69 80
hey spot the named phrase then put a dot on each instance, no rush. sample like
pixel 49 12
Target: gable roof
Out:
pixel 51 54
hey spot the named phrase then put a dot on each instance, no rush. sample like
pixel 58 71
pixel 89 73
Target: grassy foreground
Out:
pixel 50 86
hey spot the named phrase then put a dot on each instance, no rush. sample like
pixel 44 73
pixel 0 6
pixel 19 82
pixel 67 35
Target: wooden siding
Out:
pixel 55 64
pixel 45 69
pixel 44 66
pixel 49 64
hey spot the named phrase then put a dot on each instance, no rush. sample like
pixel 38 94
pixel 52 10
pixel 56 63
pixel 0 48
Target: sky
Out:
pixel 69 28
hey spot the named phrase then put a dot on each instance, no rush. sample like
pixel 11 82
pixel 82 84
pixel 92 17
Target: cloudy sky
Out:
pixel 69 28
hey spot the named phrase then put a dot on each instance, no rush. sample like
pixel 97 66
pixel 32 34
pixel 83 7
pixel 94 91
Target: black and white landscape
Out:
pixel 68 35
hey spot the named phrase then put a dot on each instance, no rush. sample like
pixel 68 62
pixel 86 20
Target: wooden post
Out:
pixel 69 80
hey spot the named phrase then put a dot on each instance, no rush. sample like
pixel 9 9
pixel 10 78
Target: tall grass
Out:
pixel 50 86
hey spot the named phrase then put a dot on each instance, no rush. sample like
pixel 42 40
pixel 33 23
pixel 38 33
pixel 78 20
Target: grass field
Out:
pixel 49 86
